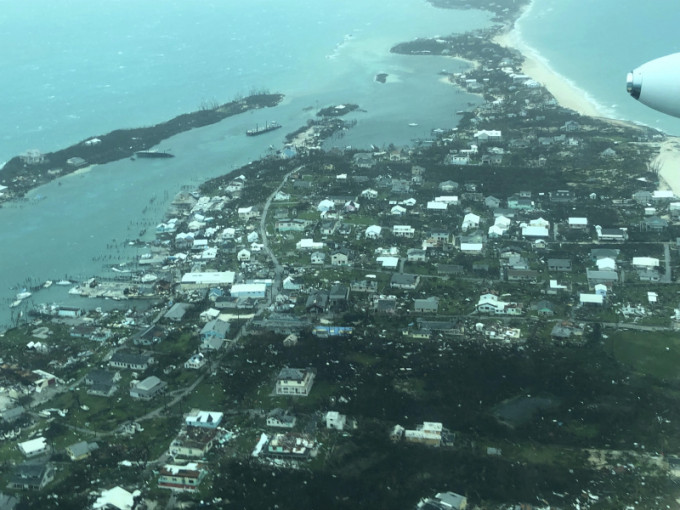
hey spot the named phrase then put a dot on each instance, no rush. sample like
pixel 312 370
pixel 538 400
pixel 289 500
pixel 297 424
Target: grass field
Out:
pixel 656 354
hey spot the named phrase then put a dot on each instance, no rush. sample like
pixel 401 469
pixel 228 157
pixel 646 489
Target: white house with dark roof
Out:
pixel 296 382
pixel 148 388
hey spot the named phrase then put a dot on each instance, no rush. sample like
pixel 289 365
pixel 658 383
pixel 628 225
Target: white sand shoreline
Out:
pixel 568 95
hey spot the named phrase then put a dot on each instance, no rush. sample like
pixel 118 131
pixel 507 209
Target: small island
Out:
pixel 337 111
pixel 32 169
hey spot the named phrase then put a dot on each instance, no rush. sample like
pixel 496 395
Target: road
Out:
pixel 278 269
pixel 667 277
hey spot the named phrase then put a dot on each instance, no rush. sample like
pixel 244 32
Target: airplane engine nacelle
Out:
pixel 657 84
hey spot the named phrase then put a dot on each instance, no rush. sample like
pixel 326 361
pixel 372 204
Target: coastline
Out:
pixel 566 93
pixel 570 96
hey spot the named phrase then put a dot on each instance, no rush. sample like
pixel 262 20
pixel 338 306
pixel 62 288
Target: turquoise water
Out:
pixel 88 68
pixel 594 45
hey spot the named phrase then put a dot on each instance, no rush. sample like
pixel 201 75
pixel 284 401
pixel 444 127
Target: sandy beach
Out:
pixel 570 96
pixel 668 162
pixel 566 93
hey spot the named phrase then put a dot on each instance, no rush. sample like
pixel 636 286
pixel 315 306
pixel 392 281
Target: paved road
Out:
pixel 278 269
pixel 667 277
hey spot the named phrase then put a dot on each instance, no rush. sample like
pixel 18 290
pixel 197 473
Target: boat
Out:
pixel 64 282
pixel 269 126
pixel 48 284
pixel 23 295
pixel 154 154
pixel 413 124
pixel 16 303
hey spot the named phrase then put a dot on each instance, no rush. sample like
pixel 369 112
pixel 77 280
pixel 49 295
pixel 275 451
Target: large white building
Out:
pixel 295 381
pixel 249 290
pixel 207 279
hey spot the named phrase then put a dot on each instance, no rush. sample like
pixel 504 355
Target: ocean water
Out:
pixel 76 69
pixel 595 44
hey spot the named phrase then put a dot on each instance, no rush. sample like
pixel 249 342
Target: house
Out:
pixel 562 265
pixel 81 450
pixel 289 446
pixel 364 286
pixel 243 255
pixel 195 362
pixel 309 244
pixel 535 232
pixel 215 329
pixel 193 443
pixel 416 255
pixel 492 202
pixel 385 304
pixel 328 227
pixel 642 197
pixel 490 303
pixel 521 275
pixel 373 232
pixel 429 433
pixel 294 382
pixel 440 238
pixel 203 419
pixel 247 213
pixel 486 135
pixel 520 203
pixel 281 419
pixel 114 499
pixel 340 257
pixel 148 388
pixel 590 299
pixel 607 278
pixel 428 305
pixel 435 205
pixel 335 420
pixel 317 301
pixel 470 222
pixel 445 501
pixel 398 210
pixel 128 360
pixel 181 478
pixel 369 193
pixel 403 231
pixel 611 234
pixel 34 447
pixel 289 283
pixel 645 262
pixel 364 160
pixel 291 225
pixel 318 258
pixel 653 224
pixel 102 382
pixel 561 196
pixel 648 275
pixel 404 281
pixel 338 295
pixel 606 264
pixel 31 476
pixel 448 186
pixel 577 223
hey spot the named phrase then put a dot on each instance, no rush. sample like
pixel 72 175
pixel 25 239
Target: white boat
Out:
pixel 15 303
pixel 23 295
pixel 64 282
pixel 413 124
pixel 48 284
